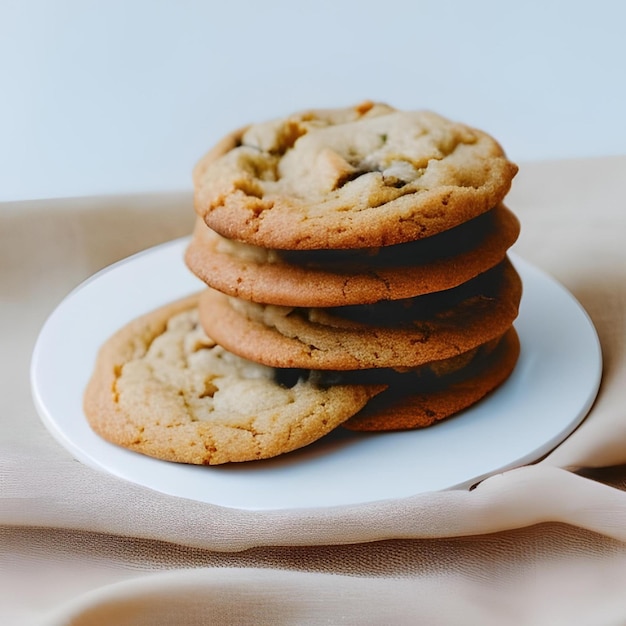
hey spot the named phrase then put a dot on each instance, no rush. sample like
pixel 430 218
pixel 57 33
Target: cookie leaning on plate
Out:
pixel 357 177
pixel 161 387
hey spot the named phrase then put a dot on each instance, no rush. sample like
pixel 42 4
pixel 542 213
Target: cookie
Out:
pixel 429 375
pixel 399 408
pixel 163 388
pixel 328 278
pixel 402 333
pixel 358 177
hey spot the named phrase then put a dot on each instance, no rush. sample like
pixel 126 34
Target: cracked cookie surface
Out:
pixel 405 333
pixel 336 278
pixel 163 388
pixel 358 177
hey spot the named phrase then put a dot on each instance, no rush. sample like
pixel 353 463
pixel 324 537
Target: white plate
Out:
pixel 547 396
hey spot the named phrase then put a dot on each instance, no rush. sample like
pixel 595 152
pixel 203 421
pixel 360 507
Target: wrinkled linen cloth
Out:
pixel 542 544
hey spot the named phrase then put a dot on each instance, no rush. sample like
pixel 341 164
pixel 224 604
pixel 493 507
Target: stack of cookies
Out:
pixel 356 272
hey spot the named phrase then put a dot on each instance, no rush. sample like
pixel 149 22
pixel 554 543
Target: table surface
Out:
pixel 105 108
pixel 552 542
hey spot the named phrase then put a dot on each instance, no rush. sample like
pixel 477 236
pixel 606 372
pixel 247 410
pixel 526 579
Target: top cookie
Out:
pixel 358 177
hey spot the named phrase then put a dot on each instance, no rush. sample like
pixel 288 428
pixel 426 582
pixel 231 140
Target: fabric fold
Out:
pixel 513 499
pixel 248 596
pixel 574 578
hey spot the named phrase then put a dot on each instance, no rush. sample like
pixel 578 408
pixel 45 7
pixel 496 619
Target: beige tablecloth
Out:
pixel 544 544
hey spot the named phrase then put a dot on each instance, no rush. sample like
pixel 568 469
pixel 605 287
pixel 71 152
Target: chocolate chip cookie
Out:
pixel 163 388
pixel 358 177
pixel 328 278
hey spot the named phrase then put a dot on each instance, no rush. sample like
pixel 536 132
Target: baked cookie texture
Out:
pixel 390 334
pixel 356 273
pixel 328 278
pixel 163 388
pixel 401 407
pixel 358 177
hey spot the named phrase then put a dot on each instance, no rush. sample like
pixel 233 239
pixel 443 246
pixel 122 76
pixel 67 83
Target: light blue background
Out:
pixel 124 96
